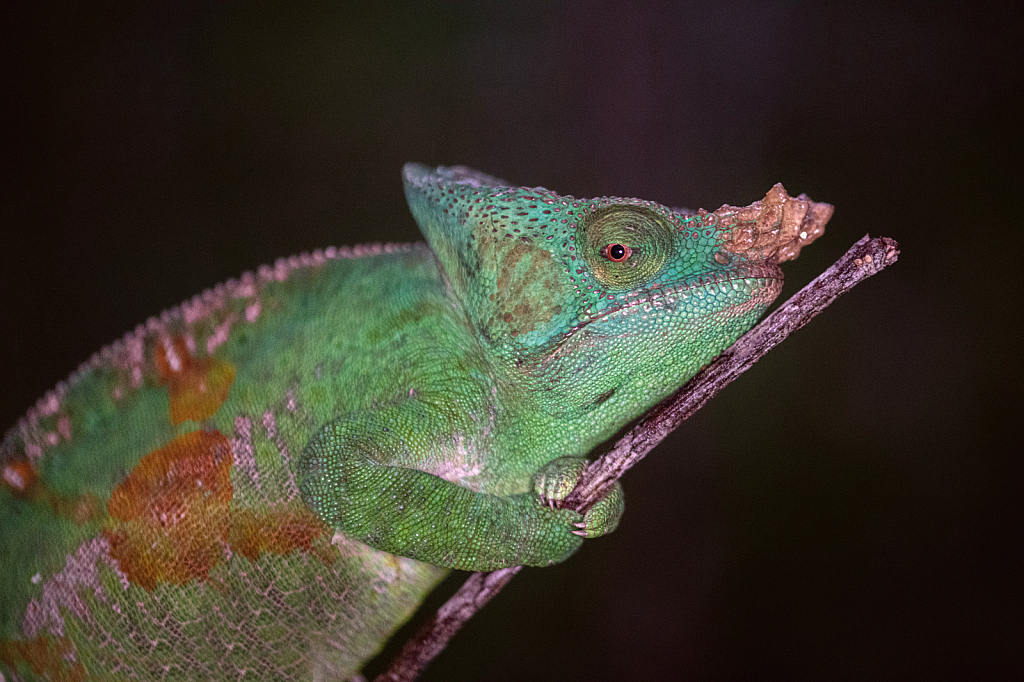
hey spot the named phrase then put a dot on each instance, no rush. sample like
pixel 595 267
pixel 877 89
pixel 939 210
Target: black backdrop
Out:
pixel 849 509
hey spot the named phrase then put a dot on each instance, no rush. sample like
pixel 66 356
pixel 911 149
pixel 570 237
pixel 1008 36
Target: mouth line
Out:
pixel 763 281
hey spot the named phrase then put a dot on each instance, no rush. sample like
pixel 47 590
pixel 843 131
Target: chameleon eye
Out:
pixel 626 246
pixel 616 253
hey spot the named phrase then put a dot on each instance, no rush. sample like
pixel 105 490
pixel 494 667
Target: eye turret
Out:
pixel 626 245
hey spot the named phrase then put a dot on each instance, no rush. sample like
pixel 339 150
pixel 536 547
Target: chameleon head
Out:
pixel 595 299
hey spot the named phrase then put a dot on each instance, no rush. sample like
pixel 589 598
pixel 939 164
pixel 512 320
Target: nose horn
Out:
pixel 775 228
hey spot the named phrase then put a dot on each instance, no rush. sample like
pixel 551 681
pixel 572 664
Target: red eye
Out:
pixel 616 253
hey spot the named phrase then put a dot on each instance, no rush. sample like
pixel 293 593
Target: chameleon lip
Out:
pixel 765 281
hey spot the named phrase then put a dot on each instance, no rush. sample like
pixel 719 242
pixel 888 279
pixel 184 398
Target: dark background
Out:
pixel 849 509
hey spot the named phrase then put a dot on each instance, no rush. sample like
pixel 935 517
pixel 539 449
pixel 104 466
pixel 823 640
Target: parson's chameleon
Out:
pixel 265 481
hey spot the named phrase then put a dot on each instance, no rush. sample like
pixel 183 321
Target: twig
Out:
pixel 865 258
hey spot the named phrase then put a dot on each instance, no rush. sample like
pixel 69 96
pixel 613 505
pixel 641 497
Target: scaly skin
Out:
pixel 264 482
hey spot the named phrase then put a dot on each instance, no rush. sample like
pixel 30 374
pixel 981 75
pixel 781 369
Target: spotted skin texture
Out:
pixel 264 482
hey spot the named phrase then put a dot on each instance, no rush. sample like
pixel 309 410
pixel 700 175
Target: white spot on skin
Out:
pixel 61 592
pixel 252 311
pixel 34 452
pixel 172 357
pixel 246 287
pixel 50 404
pixel 133 357
pixel 36 579
pixel 220 334
pixel 242 450
pixel 64 427
pixel 270 424
pixel 457 465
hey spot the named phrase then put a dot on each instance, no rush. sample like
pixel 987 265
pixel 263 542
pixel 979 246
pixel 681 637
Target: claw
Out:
pixel 580 524
pixel 581 533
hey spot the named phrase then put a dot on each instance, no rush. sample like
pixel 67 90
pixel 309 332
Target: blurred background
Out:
pixel 849 509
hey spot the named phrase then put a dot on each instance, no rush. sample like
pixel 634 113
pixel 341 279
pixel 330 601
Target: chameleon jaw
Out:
pixel 763 282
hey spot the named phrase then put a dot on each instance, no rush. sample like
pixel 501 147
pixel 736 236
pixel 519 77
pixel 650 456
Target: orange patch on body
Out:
pixel 174 511
pixel 277 532
pixel 21 478
pixel 47 656
pixel 197 386
pixel 171 520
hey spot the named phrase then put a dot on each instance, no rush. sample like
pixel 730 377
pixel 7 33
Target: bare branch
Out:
pixel 433 637
pixel 865 258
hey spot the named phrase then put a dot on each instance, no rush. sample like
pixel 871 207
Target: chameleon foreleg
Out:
pixel 350 479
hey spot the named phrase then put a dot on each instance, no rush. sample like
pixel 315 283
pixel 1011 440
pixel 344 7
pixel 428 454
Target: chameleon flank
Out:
pixel 264 482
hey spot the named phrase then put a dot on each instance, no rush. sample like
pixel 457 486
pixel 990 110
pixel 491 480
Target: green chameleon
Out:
pixel 264 482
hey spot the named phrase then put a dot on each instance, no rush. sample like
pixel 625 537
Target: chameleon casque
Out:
pixel 265 481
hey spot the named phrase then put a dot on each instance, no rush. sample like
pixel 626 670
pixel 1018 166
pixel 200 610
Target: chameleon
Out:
pixel 265 481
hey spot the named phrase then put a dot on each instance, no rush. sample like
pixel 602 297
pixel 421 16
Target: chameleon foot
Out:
pixel 555 480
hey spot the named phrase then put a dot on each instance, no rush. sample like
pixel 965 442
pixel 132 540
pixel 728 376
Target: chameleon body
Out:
pixel 264 482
